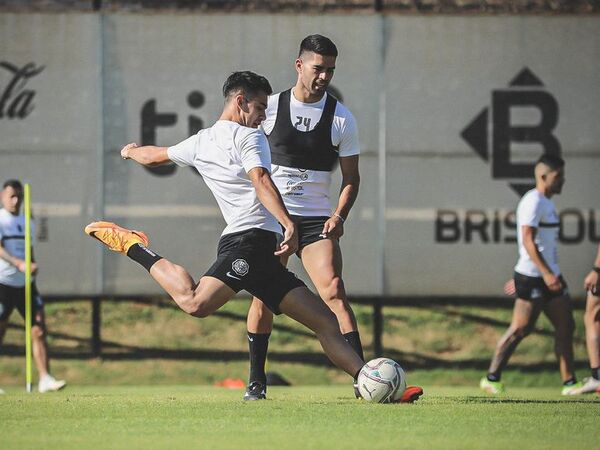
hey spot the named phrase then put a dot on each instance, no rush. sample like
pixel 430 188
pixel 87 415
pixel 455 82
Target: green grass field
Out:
pixel 152 387
pixel 306 417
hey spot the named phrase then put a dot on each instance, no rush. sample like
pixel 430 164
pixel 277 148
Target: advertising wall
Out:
pixel 459 107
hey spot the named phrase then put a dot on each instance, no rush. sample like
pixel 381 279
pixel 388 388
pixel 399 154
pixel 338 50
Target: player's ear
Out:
pixel 241 102
pixel 298 65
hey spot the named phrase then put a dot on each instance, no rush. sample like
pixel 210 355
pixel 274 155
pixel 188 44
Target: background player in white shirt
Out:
pixel 234 160
pixel 538 282
pixel 12 281
pixel 309 133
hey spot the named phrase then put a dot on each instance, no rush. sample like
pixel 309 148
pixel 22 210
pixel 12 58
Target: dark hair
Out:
pixel 553 161
pixel 15 184
pixel 318 44
pixel 246 82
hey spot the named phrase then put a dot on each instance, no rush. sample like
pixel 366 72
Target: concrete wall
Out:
pixel 447 98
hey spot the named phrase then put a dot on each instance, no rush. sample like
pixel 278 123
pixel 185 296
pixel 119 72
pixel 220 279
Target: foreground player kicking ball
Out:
pixel 234 160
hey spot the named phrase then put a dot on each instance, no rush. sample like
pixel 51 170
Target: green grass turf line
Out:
pixel 306 417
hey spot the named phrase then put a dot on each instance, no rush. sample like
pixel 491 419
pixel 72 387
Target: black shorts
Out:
pixel 245 260
pixel 309 230
pixel 14 297
pixel 534 288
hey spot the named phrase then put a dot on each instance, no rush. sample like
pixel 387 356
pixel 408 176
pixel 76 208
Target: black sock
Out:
pixel 258 345
pixel 493 376
pixel 596 373
pixel 143 256
pixel 570 382
pixel 353 338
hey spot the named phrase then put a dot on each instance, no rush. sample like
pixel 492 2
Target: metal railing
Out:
pixel 377 303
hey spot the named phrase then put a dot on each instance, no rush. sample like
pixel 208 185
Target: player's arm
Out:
pixel 17 262
pixel 270 197
pixel 147 155
pixel 348 192
pixel 552 281
pixel 592 280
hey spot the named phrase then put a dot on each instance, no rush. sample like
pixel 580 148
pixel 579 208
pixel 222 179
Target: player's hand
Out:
pixel 509 287
pixel 553 282
pixel 289 245
pixel 333 228
pixel 592 282
pixel 22 266
pixel 125 150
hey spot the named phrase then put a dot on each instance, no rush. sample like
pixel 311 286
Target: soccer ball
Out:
pixel 381 380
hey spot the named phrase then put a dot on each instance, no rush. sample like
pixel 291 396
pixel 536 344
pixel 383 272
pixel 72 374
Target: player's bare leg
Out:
pixel 525 314
pixel 592 339
pixel 39 346
pixel 323 263
pixel 260 318
pixel 592 329
pixel 560 313
pixel 303 306
pixel 197 300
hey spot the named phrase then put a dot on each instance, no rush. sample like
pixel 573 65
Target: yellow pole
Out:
pixel 28 321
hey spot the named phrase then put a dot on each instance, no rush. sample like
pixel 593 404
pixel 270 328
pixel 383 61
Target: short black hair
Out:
pixel 318 44
pixel 247 82
pixel 555 162
pixel 15 184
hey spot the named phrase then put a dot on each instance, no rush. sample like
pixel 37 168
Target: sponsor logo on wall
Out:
pixel 16 99
pixel 152 120
pixel 492 135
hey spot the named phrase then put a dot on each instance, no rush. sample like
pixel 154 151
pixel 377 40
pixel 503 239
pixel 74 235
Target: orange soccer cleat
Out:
pixel 116 238
pixel 411 394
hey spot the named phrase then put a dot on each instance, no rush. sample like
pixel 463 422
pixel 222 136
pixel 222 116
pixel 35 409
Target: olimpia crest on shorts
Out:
pixel 240 266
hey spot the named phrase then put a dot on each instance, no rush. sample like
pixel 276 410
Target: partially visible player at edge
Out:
pixel 12 281
pixel 309 133
pixel 538 282
pixel 234 160
pixel 591 283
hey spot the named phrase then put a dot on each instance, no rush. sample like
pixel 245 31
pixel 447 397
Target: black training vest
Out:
pixel 303 150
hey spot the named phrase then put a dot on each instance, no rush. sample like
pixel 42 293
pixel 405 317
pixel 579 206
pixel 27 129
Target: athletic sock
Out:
pixel 143 256
pixel 353 338
pixel 570 382
pixel 258 345
pixel 596 373
pixel 493 377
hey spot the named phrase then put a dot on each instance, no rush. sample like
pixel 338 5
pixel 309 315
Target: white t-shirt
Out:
pixel 12 236
pixel 224 154
pixel 306 192
pixel 536 210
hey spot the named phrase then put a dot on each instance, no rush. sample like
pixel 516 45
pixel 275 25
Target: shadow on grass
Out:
pixel 115 351
pixel 489 400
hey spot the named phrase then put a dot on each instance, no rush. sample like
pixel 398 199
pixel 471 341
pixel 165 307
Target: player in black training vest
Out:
pixel 310 133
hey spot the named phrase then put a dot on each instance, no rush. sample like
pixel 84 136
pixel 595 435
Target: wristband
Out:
pixel 339 217
pixel 596 269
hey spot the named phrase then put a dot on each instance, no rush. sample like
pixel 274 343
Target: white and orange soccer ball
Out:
pixel 381 380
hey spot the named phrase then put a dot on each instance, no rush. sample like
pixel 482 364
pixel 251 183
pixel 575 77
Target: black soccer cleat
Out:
pixel 256 391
